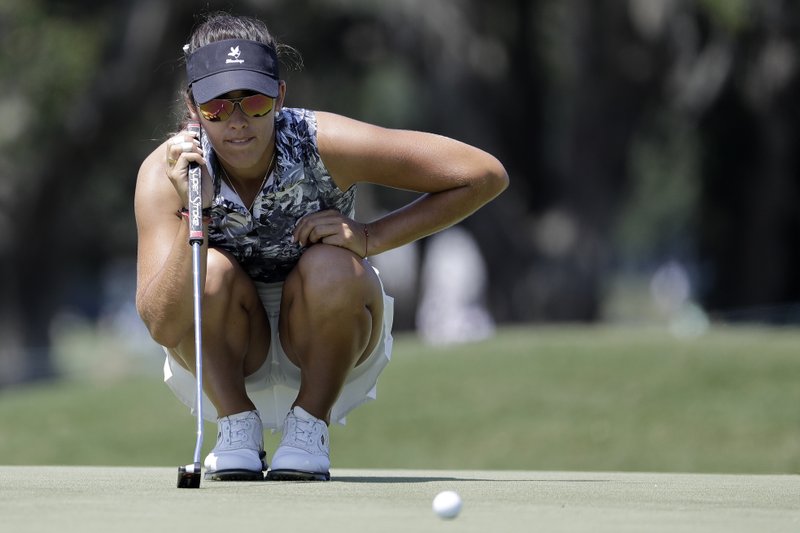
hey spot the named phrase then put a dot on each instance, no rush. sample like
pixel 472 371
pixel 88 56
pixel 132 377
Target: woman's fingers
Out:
pixel 329 227
pixel 182 150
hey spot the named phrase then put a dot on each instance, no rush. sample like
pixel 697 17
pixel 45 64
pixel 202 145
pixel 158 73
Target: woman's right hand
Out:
pixel 183 149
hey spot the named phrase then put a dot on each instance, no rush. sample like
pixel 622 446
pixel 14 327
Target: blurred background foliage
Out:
pixel 650 143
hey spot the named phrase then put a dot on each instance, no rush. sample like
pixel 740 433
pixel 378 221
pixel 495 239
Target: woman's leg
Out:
pixel 236 339
pixel 236 335
pixel 331 320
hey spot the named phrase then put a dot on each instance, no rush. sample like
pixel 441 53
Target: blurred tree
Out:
pixel 750 221
pixel 717 151
pixel 634 132
pixel 79 108
pixel 48 60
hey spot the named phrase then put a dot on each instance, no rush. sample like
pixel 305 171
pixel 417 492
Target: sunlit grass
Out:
pixel 572 398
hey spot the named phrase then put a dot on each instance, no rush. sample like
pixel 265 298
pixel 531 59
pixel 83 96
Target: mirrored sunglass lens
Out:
pixel 257 105
pixel 217 109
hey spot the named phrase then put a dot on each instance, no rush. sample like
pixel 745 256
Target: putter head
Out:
pixel 189 476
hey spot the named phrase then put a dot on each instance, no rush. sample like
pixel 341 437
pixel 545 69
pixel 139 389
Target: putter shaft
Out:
pixel 198 346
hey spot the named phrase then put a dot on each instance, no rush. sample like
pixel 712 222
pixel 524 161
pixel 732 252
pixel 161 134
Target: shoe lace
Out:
pixel 308 433
pixel 237 431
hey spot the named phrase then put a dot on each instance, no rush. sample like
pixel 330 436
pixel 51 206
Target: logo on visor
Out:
pixel 235 55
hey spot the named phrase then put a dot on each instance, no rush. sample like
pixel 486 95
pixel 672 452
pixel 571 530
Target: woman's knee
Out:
pixel 335 272
pixel 236 316
pixel 225 281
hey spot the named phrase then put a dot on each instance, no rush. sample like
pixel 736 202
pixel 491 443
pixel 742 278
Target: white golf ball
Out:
pixel 447 504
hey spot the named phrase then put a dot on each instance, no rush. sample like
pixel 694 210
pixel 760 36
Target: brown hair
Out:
pixel 220 26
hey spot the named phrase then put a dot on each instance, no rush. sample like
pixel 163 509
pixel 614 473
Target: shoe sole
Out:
pixel 297 475
pixel 235 475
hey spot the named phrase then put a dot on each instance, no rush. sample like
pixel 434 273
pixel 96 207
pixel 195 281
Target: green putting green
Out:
pixel 103 499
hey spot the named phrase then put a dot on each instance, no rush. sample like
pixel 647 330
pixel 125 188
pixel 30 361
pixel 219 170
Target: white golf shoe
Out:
pixel 239 454
pixel 304 451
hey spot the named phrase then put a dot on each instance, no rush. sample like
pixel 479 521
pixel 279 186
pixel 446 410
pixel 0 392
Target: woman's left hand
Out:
pixel 332 227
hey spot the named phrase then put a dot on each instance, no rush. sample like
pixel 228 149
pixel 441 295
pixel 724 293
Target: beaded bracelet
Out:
pixel 183 212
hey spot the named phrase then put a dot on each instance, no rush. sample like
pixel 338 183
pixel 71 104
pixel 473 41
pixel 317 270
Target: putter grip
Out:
pixel 195 196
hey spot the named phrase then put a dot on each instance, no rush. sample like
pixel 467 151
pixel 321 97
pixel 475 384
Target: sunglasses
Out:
pixel 256 105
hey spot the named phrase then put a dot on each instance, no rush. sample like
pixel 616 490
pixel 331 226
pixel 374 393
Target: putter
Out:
pixel 189 475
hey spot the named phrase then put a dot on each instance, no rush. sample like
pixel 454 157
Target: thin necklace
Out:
pixel 260 187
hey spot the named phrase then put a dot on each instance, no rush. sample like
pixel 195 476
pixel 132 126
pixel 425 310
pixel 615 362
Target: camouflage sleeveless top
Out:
pixel 299 185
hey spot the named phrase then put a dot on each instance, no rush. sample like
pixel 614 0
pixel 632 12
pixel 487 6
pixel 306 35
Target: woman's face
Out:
pixel 242 142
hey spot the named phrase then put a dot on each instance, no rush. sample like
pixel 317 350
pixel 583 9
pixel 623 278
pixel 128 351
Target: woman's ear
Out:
pixel 281 95
pixel 189 101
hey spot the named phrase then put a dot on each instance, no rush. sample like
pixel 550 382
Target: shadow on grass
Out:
pixel 423 479
pixel 396 479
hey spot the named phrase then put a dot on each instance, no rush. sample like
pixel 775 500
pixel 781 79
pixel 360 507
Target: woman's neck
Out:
pixel 254 173
pixel 248 188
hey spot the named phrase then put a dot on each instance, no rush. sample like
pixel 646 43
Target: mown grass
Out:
pixel 544 398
